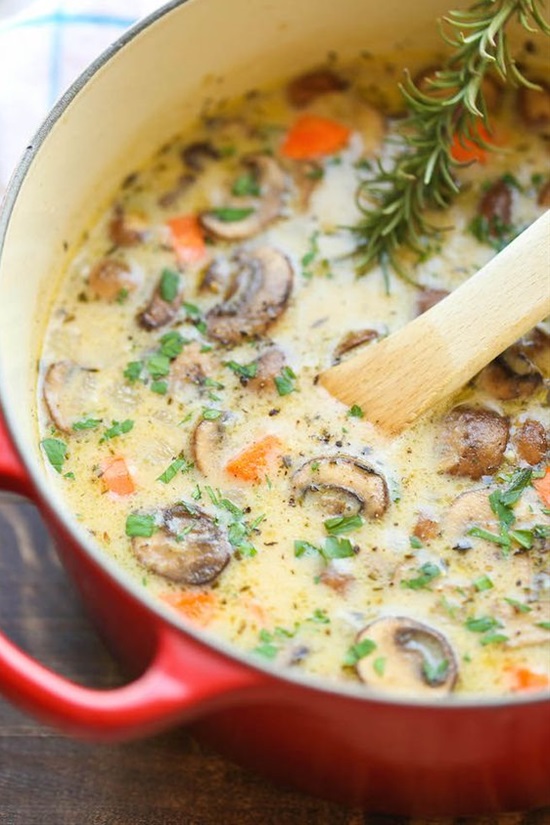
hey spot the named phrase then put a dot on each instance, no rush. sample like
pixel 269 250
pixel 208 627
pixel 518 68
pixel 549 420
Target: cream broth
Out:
pixel 237 490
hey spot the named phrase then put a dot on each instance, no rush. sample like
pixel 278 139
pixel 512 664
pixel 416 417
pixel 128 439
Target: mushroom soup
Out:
pixel 182 419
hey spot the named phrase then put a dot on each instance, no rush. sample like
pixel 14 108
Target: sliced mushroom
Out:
pixel 543 197
pixel 126 229
pixel 169 198
pixel 192 365
pixel 335 578
pixel 215 277
pixel 472 441
pixel 306 175
pixel 426 527
pixel 531 351
pixel 272 184
pixel 534 105
pixel 469 509
pixel 532 441
pixel 500 381
pixel 302 90
pixel 270 363
pixel 109 279
pixel 496 207
pixel 189 547
pixel 418 660
pixel 159 312
pixel 67 391
pixel 428 298
pixel 206 442
pixel 195 155
pixel 352 340
pixel 258 297
pixel 344 483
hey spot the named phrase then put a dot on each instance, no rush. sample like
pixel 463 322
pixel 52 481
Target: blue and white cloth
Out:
pixel 43 48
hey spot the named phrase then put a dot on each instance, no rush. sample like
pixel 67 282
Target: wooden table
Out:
pixel 47 779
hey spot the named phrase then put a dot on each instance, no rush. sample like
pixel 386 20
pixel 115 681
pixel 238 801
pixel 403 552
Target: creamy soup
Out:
pixel 182 419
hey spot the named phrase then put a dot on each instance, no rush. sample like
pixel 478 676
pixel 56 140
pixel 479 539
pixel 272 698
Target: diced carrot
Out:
pixel 116 477
pixel 525 679
pixel 465 150
pixel 252 463
pixel 197 606
pixel 542 486
pixel 187 238
pixel 312 136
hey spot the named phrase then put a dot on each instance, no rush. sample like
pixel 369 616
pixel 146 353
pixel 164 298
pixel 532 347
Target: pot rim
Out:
pixel 109 566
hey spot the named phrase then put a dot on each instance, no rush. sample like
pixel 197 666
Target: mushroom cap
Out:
pixel 68 388
pixel 472 441
pixel 206 441
pixel 272 182
pixel 261 292
pixel 189 548
pixel 346 476
pixel 418 660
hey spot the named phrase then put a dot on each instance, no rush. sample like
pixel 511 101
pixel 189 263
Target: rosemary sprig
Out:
pixel 393 201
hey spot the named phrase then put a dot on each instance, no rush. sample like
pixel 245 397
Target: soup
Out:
pixel 183 422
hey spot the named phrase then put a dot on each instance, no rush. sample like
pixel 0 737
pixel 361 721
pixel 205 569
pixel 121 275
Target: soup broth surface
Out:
pixel 186 429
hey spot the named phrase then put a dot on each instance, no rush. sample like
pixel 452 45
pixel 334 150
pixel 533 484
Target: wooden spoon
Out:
pixel 396 380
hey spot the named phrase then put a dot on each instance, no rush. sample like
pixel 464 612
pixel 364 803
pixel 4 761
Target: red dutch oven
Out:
pixel 459 756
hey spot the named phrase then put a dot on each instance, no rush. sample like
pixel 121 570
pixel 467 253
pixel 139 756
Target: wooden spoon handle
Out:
pixel 427 360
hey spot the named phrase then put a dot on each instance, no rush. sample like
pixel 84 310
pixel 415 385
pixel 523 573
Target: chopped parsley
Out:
pixel 179 464
pixel 87 424
pixel 172 343
pixel 285 381
pixel 160 387
pixel 520 607
pixel 271 643
pixel 133 371
pixel 158 365
pixel 333 548
pixel 482 624
pixel 415 542
pixel 355 411
pixel 358 651
pixel 246 185
pixel 435 672
pixel 56 452
pixel 231 214
pixel 242 370
pixel 169 285
pixel 379 665
pixel 427 573
pixel 343 524
pixel 483 583
pixel 210 414
pixel 117 428
pixel 309 257
pixel 140 525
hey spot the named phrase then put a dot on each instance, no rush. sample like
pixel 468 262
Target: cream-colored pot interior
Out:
pixel 125 106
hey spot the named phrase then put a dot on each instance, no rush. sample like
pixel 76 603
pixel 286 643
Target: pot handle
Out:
pixel 178 686
pixel 182 681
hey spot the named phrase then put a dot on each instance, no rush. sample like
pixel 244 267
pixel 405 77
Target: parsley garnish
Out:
pixel 140 525
pixel 333 548
pixel 355 411
pixel 56 452
pixel 174 468
pixel 246 185
pixel 230 214
pixel 428 572
pixel 87 424
pixel 285 381
pixel 243 370
pixel 169 285
pixel 117 428
pixel 172 343
pixel 343 524
pixel 482 624
pixel 133 371
pixel 483 583
pixel 210 414
pixel 358 651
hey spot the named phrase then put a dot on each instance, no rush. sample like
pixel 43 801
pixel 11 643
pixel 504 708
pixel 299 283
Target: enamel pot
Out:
pixel 406 757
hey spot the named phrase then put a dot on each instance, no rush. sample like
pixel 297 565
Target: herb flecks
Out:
pixel 394 199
